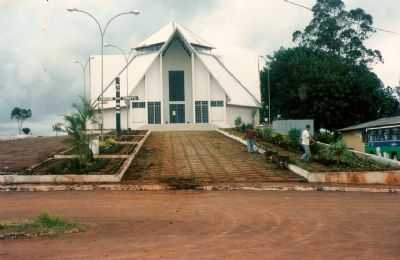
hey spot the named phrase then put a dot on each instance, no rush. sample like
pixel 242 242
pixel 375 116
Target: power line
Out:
pixel 310 9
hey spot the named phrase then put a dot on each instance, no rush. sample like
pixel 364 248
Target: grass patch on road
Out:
pixel 42 225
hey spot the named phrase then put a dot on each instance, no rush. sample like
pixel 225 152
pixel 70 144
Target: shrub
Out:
pixel 277 139
pixel 327 137
pixel 267 133
pixel 294 137
pixel 238 122
pixel 26 130
pixel 337 150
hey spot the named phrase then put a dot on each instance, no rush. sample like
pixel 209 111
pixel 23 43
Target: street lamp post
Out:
pixel 103 31
pixel 126 56
pixel 269 86
pixel 83 66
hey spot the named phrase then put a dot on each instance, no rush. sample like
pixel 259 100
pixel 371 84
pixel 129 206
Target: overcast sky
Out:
pixel 40 40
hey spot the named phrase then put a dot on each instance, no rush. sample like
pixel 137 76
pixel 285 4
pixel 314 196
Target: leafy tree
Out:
pixel 57 127
pixel 326 77
pixel 75 127
pixel 309 83
pixel 20 114
pixel 339 32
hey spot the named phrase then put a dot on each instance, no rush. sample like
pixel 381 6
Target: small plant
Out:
pixel 26 130
pixel 238 122
pixel 42 225
pixel 294 137
pixel 75 127
pixel 267 133
pixel 337 150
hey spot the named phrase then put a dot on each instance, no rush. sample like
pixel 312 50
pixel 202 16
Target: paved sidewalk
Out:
pixel 209 157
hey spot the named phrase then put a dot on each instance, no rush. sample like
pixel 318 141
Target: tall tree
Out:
pixel 327 76
pixel 310 83
pixel 20 114
pixel 339 32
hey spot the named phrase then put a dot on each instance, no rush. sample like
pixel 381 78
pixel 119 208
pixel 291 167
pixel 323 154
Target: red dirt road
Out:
pixel 211 225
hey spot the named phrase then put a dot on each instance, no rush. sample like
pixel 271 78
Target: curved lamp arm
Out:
pixel 89 14
pixel 116 16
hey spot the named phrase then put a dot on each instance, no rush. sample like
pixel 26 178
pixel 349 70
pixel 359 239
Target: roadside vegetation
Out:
pixel 333 156
pixel 42 225
pixel 328 75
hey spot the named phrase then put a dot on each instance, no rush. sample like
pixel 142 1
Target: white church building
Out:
pixel 177 79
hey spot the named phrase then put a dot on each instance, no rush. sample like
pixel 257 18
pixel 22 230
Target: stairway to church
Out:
pixel 206 156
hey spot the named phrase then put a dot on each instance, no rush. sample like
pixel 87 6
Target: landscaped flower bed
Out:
pixel 71 166
pixel 324 159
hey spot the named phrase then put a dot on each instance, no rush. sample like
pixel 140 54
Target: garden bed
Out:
pixel 71 166
pixel 319 163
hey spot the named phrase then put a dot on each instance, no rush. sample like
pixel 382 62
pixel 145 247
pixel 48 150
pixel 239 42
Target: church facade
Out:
pixel 177 80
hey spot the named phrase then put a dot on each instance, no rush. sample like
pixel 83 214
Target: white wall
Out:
pixel 202 81
pixel 176 58
pixel 244 112
pixel 140 90
pixel 109 119
pixel 217 113
pixel 152 82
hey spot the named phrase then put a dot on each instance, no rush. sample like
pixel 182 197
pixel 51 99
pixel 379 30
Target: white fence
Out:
pixel 284 126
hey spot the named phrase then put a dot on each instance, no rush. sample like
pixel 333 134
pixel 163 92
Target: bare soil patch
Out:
pixel 18 155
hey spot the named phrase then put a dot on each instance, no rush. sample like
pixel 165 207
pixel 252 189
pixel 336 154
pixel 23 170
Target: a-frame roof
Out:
pixel 162 36
pixel 237 93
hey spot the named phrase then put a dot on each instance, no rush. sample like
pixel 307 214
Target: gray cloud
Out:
pixel 40 40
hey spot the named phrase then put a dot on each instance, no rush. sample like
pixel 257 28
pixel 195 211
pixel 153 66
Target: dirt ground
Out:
pixel 17 155
pixel 210 225
pixel 207 156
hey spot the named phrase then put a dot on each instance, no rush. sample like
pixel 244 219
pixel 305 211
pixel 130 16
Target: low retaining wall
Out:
pixel 221 187
pixel 367 177
pixel 75 178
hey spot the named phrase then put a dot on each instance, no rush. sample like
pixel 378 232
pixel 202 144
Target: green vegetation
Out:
pixel 238 122
pixel 44 224
pixel 64 166
pixel 20 114
pixel 335 157
pixel 26 130
pixel 75 127
pixel 294 137
pixel 327 76
pixel 57 127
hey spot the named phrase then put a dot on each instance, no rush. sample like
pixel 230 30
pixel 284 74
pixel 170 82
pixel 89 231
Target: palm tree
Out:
pixel 75 127
pixel 20 114
pixel 57 127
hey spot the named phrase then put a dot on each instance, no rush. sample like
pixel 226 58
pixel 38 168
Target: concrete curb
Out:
pixel 220 187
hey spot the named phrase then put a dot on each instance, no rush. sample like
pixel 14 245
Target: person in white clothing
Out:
pixel 305 142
